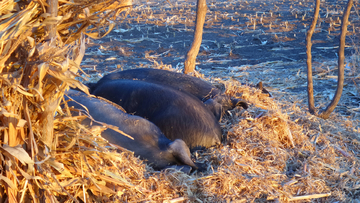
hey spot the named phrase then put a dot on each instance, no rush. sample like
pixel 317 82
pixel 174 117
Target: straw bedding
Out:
pixel 273 151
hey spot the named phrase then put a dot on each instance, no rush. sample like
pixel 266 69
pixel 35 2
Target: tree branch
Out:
pixel 325 114
pixel 310 32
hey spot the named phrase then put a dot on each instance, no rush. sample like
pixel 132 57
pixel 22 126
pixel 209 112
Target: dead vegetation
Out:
pixel 34 74
pixel 273 151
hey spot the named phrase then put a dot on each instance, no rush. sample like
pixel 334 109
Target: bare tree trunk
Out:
pixel 325 114
pixel 310 32
pixel 195 46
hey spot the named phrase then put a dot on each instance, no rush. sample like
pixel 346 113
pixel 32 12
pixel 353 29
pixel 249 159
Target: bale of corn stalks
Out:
pixel 34 73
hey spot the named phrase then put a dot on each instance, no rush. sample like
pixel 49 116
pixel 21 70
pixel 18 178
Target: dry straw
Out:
pixel 272 151
pixel 34 72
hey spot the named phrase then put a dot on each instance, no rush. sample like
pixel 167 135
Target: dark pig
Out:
pixel 177 114
pixel 182 82
pixel 214 99
pixel 149 142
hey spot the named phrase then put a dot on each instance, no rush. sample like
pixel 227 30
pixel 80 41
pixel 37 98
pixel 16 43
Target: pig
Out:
pixel 182 82
pixel 217 102
pixel 148 141
pixel 177 114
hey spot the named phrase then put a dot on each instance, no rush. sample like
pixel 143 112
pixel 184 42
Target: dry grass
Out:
pixel 33 76
pixel 273 151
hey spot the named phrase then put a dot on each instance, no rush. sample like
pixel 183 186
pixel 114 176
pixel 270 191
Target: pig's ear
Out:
pixel 239 102
pixel 215 107
pixel 181 152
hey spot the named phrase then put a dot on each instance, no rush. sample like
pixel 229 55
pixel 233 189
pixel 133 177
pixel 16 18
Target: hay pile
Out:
pixel 34 72
pixel 273 151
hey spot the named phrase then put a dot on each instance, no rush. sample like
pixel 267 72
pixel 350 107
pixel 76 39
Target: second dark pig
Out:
pixel 177 114
pixel 149 142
